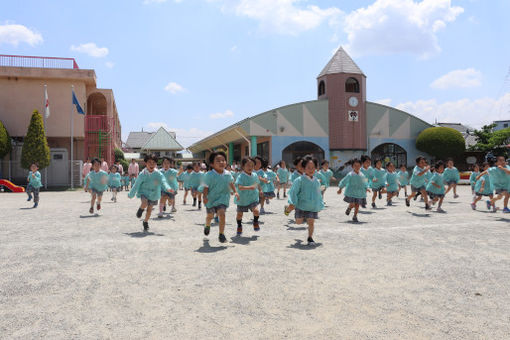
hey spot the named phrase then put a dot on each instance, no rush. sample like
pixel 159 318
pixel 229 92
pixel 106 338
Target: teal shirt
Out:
pixel 438 179
pixel 184 178
pixel 294 176
pixel 306 194
pixel 149 184
pixel 219 188
pixel 247 197
pixel 321 177
pixel 327 176
pixel 34 181
pixel 403 177
pixel 195 179
pixel 488 188
pixel 114 179
pixel 472 178
pixel 392 181
pixel 125 180
pixel 451 175
pixel 235 175
pixel 283 175
pixel 97 180
pixel 499 178
pixel 379 179
pixel 171 178
pixel 355 185
pixel 418 181
pixel 271 176
pixel 369 173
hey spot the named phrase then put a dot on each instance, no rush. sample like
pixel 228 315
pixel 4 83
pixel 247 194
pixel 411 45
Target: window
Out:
pixel 390 152
pixel 351 85
pixel 263 150
pixel 322 88
pixel 505 125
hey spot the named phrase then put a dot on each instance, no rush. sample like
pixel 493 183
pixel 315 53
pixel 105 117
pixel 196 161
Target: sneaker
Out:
pixel 199 205
pixel 160 215
pixel 408 204
pixel 347 211
pixel 427 207
pixel 256 226
pixel 184 202
pixel 389 204
pixel 222 238
pixel 98 207
pixel 310 241
pixel 473 206
pixel 207 229
pixel 355 219
pixel 286 210
pixel 380 195
pixel 439 210
pixel 240 231
pixel 278 195
pixel 284 195
pixel 111 199
pixel 267 200
pixel 262 211
pixel 36 204
pixel 364 206
pixel 115 200
pixel 455 196
pixel 216 219
pixel 506 210
pixel 139 213
pixel 373 205
pixel 488 204
pixel 194 204
pixel 164 208
pixel 494 208
pixel 174 210
pixel 29 198
pixel 91 210
pixel 145 226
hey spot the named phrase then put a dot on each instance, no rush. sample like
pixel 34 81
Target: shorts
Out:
pixel 246 208
pixel 170 195
pixel 216 209
pixel 195 191
pixel 432 195
pixel 361 201
pixel 451 182
pixel 417 189
pixel 501 191
pixel 298 213
pixel 96 192
pixel 115 189
pixel 377 189
pixel 149 202
pixel 269 194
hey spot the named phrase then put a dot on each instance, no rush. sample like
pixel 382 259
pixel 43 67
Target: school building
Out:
pixel 96 134
pixel 339 125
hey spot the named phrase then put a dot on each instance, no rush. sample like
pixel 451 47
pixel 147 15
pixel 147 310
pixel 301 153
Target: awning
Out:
pixel 221 138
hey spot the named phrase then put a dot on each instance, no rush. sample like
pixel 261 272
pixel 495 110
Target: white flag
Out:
pixel 46 103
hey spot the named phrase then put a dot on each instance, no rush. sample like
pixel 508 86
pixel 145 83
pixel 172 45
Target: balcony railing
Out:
pixel 40 62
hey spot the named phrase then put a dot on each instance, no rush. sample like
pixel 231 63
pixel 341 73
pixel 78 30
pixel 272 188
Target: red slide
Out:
pixel 9 185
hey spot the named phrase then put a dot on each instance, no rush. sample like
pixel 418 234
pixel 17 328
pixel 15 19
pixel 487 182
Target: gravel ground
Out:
pixel 401 273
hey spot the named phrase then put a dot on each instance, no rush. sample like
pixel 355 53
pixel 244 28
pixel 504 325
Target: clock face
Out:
pixel 353 101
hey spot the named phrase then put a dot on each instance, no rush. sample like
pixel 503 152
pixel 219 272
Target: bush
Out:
pixel 35 146
pixel 119 155
pixel 441 142
pixel 5 141
pixel 125 164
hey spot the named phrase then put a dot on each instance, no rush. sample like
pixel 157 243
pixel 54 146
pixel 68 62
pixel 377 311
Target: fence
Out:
pixel 41 62
pixel 58 174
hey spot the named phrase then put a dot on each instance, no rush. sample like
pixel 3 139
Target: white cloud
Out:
pixel 109 64
pixel 458 78
pixel 473 112
pixel 234 48
pixel 384 101
pixel 14 34
pixel 91 49
pixel 399 26
pixel 220 115
pixel 281 16
pixel 185 137
pixel 174 88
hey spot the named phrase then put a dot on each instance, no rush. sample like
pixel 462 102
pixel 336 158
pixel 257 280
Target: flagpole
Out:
pixel 72 136
pixel 46 135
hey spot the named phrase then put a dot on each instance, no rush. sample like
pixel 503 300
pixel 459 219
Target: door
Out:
pixel 58 171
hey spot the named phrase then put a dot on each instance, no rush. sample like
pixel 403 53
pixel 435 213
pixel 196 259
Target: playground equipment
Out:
pixel 11 186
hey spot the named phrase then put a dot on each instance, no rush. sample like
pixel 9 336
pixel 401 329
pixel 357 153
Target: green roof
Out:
pixel 162 140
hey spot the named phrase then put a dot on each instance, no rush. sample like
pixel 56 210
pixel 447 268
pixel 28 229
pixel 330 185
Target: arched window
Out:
pixel 351 85
pixel 390 152
pixel 322 88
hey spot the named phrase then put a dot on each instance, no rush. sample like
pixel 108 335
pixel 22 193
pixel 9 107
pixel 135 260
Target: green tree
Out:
pixel 441 142
pixel 5 141
pixel 119 154
pixel 35 146
pixel 489 140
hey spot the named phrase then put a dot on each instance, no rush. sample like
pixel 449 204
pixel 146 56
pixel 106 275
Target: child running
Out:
pixel 247 184
pixel 148 186
pixel 171 178
pixel 435 187
pixel 114 182
pixel 268 188
pixel 391 183
pixel 195 179
pixel 184 176
pixel 483 187
pixel 378 183
pixel 298 172
pixel 306 196
pixel 259 164
pixel 418 183
pixel 356 188
pixel 452 177
pixel 403 179
pixel 34 184
pixel 328 175
pixel 499 175
pixel 97 181
pixel 475 171
pixel 367 170
pixel 283 176
pixel 218 185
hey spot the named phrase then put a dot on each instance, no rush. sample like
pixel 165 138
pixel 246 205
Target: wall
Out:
pixel 281 142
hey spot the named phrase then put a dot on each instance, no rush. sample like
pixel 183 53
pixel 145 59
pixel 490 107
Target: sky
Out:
pixel 197 66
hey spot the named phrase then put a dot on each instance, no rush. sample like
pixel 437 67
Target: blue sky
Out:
pixel 196 66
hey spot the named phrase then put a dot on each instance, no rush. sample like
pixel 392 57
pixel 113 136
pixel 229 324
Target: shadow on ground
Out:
pixel 303 246
pixel 206 248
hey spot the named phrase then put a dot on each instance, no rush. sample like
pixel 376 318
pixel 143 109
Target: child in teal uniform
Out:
pixel 367 170
pixel 97 181
pixel 306 196
pixel 170 175
pixel 403 179
pixel 356 188
pixel 327 174
pixel 248 185
pixel 418 184
pixel 125 181
pixel 195 179
pixel 259 164
pixel 452 177
pixel 483 187
pixel 268 188
pixel 218 185
pixel 499 175
pixel 298 172
pixel 475 171
pixel 435 187
pixel 114 183
pixel 283 176
pixel 391 183
pixel 184 176
pixel 378 183
pixel 148 186
pixel 34 184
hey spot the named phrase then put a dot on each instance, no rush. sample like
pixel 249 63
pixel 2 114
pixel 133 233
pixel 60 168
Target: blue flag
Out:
pixel 77 104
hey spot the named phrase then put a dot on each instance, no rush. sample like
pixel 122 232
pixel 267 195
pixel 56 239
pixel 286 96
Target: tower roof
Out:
pixel 341 63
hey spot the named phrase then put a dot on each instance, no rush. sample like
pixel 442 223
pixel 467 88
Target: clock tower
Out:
pixel 343 84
